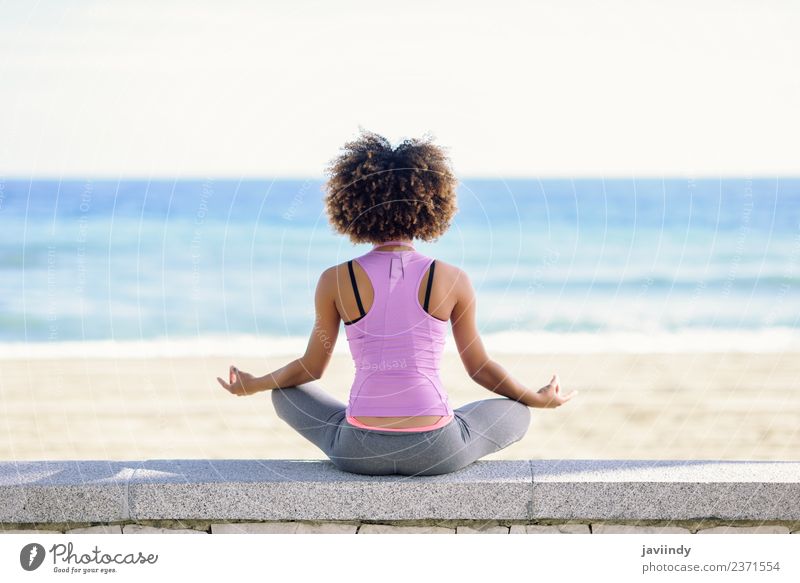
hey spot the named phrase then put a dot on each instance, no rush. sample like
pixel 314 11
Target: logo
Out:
pixel 31 556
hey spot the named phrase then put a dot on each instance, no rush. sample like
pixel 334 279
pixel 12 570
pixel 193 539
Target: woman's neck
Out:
pixel 393 245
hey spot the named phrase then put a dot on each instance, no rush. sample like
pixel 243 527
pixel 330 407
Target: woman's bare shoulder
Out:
pixel 336 276
pixel 452 274
pixel 330 276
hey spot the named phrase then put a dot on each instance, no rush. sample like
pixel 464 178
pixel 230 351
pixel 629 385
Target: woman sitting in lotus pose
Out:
pixel 396 304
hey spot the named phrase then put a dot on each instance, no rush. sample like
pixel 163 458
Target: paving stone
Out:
pixel 392 529
pixel 84 491
pixel 140 529
pixel 247 490
pixel 63 491
pixel 763 529
pixel 550 529
pixel 634 529
pixel 485 530
pixel 101 529
pixel 665 490
pixel 30 531
pixel 283 528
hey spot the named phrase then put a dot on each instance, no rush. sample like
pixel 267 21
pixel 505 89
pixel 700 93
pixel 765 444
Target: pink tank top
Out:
pixel 397 345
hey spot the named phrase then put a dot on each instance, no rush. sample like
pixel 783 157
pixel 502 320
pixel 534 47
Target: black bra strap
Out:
pixel 430 281
pixel 355 287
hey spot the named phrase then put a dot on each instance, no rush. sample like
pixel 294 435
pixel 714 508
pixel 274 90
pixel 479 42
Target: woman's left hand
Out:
pixel 241 383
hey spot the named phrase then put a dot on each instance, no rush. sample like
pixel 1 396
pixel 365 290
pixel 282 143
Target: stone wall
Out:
pixel 401 527
pixel 492 497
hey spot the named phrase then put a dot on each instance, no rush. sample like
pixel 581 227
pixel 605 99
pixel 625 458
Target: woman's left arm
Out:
pixel 313 363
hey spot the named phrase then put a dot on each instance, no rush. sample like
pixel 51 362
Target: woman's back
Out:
pixel 395 342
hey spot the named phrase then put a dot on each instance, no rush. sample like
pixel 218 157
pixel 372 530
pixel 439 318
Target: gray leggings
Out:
pixel 478 429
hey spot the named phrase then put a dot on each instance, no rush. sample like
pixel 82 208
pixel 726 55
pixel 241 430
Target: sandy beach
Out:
pixel 631 406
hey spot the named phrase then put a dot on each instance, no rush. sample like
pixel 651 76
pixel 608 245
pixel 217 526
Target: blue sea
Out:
pixel 211 266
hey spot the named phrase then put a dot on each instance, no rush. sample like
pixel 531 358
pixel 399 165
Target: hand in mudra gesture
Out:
pixel 552 395
pixel 241 383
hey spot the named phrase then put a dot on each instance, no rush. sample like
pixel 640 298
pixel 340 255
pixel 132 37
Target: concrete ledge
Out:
pixel 66 492
pixel 675 490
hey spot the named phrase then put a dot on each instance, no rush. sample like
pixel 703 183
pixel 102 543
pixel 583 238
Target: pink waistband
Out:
pixel 441 423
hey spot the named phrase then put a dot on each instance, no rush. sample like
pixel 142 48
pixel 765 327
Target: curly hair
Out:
pixel 376 193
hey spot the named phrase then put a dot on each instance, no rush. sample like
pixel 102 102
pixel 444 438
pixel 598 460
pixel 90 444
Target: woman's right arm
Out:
pixel 481 368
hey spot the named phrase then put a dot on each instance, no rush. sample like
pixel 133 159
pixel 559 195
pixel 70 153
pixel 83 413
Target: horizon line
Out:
pixel 300 177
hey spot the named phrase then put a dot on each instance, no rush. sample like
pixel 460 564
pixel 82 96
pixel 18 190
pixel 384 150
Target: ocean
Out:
pixel 137 268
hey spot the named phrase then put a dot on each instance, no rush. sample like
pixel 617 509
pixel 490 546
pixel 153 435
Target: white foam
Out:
pixel 770 340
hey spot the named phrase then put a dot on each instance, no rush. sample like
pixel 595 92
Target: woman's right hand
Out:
pixel 551 395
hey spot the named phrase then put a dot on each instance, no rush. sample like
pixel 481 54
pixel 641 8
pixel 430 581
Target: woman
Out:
pixel 396 304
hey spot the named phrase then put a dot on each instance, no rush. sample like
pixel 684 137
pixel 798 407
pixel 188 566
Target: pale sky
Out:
pixel 256 89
